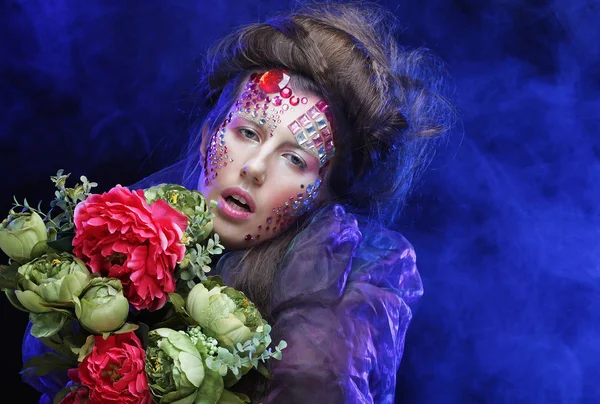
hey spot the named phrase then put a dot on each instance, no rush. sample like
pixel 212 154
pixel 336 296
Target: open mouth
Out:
pixel 238 202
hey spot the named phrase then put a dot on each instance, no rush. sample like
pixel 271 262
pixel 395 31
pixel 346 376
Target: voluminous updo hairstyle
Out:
pixel 389 103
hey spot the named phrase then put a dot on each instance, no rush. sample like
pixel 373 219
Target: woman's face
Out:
pixel 260 175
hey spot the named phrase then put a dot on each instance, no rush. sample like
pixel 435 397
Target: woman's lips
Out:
pixel 231 210
pixel 241 193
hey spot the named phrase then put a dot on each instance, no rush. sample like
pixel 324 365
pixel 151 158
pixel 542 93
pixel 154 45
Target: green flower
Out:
pixel 51 281
pixel 102 307
pixel 224 313
pixel 175 367
pixel 189 202
pixel 19 234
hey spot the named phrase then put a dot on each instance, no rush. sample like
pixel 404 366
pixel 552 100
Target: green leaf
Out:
pixel 8 276
pixel 263 370
pixel 85 349
pixel 212 281
pixel 127 327
pixel 65 243
pixel 179 305
pixel 12 298
pixel 49 362
pixel 229 397
pixel 60 395
pixel 47 324
pixel 211 388
pixel 177 301
pixel 62 347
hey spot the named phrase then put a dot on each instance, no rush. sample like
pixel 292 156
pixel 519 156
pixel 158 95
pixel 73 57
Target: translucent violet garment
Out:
pixel 342 303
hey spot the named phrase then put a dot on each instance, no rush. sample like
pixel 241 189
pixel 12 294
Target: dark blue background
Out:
pixel 505 224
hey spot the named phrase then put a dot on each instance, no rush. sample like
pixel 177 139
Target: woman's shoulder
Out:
pixel 387 259
pixel 338 251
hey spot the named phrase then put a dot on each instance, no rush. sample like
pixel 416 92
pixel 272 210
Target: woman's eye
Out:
pixel 295 160
pixel 248 134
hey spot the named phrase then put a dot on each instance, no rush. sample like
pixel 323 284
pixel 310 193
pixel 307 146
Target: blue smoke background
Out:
pixel 505 224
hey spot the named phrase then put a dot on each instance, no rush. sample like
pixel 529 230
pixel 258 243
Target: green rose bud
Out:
pixel 189 202
pixel 19 233
pixel 223 313
pixel 176 370
pixel 101 306
pixel 51 281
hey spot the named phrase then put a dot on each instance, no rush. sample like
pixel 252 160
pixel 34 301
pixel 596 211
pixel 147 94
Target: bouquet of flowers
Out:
pixel 116 288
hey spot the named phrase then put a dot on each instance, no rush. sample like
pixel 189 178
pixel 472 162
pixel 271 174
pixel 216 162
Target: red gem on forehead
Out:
pixel 285 92
pixel 274 80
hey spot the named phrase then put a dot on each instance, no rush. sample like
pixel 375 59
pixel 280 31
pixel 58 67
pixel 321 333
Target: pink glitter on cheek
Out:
pixel 217 156
pixel 287 213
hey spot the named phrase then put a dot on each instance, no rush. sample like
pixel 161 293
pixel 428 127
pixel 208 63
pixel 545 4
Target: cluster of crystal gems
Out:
pixel 313 133
pixel 285 215
pixel 217 157
pixel 266 96
pixel 263 98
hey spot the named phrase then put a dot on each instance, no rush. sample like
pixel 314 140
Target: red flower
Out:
pixel 114 371
pixel 76 396
pixel 120 236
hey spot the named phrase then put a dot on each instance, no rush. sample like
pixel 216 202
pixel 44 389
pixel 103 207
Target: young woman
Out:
pixel 319 125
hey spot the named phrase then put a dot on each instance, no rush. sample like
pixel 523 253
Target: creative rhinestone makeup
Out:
pixel 287 213
pixel 264 99
pixel 266 96
pixel 217 157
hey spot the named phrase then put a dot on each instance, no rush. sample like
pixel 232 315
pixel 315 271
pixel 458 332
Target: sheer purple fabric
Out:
pixel 342 303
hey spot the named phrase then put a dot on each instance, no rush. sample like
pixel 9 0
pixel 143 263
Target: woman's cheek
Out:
pixel 288 204
pixel 219 156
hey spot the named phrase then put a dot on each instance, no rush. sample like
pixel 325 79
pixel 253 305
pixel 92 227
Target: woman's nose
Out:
pixel 254 170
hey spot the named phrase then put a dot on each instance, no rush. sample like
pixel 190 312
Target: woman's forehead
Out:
pixel 271 101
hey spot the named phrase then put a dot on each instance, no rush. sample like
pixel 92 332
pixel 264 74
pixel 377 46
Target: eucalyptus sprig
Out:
pixel 66 199
pixel 197 260
pixel 245 355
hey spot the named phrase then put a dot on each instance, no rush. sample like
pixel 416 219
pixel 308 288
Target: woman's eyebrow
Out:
pixel 252 121
pixel 294 144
